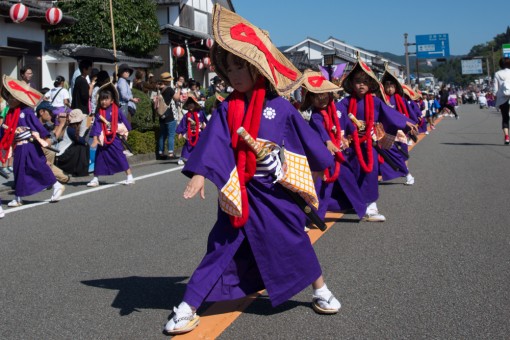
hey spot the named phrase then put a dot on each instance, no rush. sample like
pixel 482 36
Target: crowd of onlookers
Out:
pixel 67 111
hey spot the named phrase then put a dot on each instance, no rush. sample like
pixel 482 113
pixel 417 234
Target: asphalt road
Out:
pixel 111 262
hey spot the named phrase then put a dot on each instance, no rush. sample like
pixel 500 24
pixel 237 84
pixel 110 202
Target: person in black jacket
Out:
pixel 444 93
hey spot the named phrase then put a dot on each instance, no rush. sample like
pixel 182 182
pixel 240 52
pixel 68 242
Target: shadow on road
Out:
pixel 471 144
pixel 136 292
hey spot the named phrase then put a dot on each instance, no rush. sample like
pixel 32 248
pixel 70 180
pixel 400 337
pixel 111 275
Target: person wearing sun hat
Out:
pixel 74 154
pixel 167 121
pixel 337 190
pixel 395 97
pixel 190 127
pixel 22 129
pixel 258 240
pixel 361 84
pixel 109 126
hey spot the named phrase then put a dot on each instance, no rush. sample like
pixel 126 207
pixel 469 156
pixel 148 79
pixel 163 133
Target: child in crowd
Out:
pixel 258 240
pixel 338 189
pixel 73 156
pixel 368 110
pixel 21 126
pixel 110 125
pixel 190 127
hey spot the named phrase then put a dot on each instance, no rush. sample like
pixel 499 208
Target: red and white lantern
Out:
pixel 209 42
pixel 178 51
pixel 53 15
pixel 200 65
pixel 18 13
pixel 207 61
pixel 193 59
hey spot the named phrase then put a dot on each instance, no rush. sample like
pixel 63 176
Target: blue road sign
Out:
pixel 432 46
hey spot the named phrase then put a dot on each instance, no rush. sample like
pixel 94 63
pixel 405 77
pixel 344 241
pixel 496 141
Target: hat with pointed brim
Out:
pixel 238 36
pixel 20 91
pixel 191 99
pixel 360 65
pixel 112 88
pixel 316 83
pixel 408 91
pixel 389 76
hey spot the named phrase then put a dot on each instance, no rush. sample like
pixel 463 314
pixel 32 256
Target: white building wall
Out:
pixel 25 30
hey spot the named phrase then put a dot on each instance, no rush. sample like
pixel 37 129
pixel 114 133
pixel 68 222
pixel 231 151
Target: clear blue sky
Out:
pixel 383 24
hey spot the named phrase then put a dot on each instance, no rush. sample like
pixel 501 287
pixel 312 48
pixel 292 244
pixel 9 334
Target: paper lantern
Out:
pixel 209 42
pixel 200 65
pixel 53 15
pixel 178 51
pixel 193 59
pixel 207 61
pixel 18 13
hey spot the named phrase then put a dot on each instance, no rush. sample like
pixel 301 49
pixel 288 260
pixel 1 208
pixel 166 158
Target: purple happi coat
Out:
pixel 271 251
pixel 392 120
pixel 110 158
pixel 344 193
pixel 31 172
pixel 182 129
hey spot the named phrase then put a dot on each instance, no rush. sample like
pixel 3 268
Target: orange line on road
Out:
pixel 222 314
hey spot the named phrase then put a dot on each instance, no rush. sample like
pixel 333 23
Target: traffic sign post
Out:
pixel 431 46
pixel 506 50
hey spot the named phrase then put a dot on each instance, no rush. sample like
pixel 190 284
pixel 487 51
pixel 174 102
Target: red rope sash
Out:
pixel 34 97
pixel 246 162
pixel 109 136
pixel 401 106
pixel 11 121
pixel 331 120
pixel 193 133
pixel 368 165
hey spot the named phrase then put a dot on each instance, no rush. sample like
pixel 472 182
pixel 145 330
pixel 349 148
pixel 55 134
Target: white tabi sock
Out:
pixel 130 177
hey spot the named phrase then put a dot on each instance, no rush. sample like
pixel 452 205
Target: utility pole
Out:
pixel 406 44
pixel 407 59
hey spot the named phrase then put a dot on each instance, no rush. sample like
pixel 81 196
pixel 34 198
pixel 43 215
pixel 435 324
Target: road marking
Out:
pixel 90 190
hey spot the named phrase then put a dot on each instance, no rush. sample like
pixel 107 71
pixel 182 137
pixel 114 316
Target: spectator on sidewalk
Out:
pixel 73 157
pixel 502 102
pixel 80 95
pixel 167 122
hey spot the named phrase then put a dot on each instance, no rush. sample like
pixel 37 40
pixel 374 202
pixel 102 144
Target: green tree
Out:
pixel 135 23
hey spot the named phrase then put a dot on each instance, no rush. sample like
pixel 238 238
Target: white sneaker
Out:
pixel 307 229
pixel 57 193
pixel 410 180
pixel 129 181
pixel 15 203
pixel 323 305
pixel 374 217
pixel 183 320
pixel 426 132
pixel 180 162
pixel 2 214
pixel 127 153
pixel 93 183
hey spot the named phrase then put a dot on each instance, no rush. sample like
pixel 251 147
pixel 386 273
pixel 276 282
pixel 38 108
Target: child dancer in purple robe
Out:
pixel 399 153
pixel 190 127
pixel 258 240
pixel 338 190
pixel 367 109
pixel 23 130
pixel 110 125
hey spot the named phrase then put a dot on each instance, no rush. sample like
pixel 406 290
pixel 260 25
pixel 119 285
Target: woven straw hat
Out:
pixel 238 36
pixel 408 91
pixel 165 76
pixel 360 65
pixel 388 76
pixel 191 99
pixel 113 89
pixel 315 82
pixel 21 91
